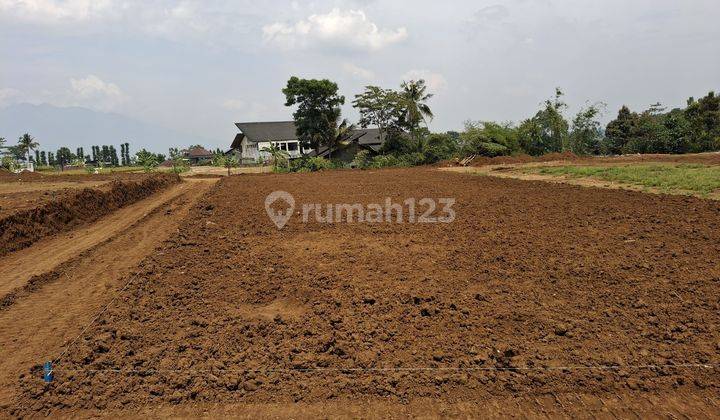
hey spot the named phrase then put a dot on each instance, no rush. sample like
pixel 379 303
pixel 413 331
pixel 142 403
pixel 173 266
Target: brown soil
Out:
pixel 63 210
pixel 61 283
pixel 535 292
pixel 19 196
pixel 6 176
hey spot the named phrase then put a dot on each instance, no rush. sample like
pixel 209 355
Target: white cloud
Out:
pixel 57 11
pixel 247 110
pixel 436 82
pixel 8 96
pixel 342 29
pixel 358 72
pixel 234 104
pixel 93 92
pixel 168 19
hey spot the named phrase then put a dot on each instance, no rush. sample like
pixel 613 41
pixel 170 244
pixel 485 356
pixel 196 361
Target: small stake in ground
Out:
pixel 48 372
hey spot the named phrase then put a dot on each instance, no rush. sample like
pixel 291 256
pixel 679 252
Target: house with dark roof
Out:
pixel 197 155
pixel 253 137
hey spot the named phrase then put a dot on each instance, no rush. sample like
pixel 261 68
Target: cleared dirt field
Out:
pixel 51 290
pixel 539 299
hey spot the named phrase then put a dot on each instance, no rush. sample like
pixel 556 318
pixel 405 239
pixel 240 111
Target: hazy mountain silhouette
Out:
pixel 54 127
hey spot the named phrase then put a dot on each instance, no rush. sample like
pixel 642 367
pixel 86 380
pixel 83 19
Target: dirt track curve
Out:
pixel 75 274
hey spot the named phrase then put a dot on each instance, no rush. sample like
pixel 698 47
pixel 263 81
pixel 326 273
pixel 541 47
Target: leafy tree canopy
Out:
pixel 318 108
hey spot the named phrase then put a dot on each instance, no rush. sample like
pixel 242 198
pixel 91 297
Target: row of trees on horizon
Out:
pixel 402 117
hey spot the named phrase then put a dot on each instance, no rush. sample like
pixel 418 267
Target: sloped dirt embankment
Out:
pixel 73 209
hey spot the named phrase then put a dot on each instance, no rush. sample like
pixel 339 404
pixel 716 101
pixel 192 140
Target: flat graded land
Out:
pixel 538 300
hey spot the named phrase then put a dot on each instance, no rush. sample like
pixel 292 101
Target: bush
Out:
pixel 489 139
pixel 362 160
pixel 491 149
pixel 439 147
pixel 311 164
pixel 412 159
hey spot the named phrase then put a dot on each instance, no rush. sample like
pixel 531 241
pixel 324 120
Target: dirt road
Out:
pixel 77 274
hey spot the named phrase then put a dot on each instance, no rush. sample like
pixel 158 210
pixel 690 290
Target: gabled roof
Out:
pixel 198 152
pixel 268 131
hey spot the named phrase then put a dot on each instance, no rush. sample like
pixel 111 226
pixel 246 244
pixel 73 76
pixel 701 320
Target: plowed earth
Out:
pixel 51 212
pixel 536 291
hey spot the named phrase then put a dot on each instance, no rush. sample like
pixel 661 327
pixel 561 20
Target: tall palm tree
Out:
pixel 342 131
pixel 413 98
pixel 27 144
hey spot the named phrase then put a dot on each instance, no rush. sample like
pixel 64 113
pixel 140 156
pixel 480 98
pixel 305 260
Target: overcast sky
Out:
pixel 198 66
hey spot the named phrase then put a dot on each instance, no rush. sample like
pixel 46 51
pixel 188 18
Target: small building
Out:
pixel 253 137
pixel 197 155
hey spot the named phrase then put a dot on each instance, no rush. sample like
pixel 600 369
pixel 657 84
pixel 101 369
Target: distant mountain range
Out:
pixel 54 127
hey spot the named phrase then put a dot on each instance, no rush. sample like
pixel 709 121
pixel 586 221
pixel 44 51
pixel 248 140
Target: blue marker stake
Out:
pixel 48 372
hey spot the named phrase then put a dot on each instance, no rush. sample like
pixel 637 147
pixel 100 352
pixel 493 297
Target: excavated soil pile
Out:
pixel 6 176
pixel 71 208
pixel 533 289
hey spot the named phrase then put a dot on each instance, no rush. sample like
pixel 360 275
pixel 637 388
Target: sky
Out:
pixel 198 66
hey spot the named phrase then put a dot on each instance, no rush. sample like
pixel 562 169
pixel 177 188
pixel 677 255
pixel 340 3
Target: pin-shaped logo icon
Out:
pixel 279 217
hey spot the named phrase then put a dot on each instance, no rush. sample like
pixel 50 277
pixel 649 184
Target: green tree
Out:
pixel 127 154
pixel 43 158
pixel 379 107
pixel 487 138
pixel 342 131
pixel 547 131
pixel 703 117
pixel 618 131
pixel 178 161
pixel 318 107
pixel 27 143
pixel 149 161
pixel 649 134
pixel 439 146
pixel 586 135
pixel 64 156
pixel 114 161
pixel 413 100
pixel 231 162
pixel 278 155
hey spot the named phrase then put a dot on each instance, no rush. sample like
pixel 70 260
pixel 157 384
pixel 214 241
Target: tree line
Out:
pixel 402 118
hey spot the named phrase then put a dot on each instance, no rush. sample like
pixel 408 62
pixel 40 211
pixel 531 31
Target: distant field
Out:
pixel 695 178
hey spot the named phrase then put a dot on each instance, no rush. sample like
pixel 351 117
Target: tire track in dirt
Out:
pixel 38 326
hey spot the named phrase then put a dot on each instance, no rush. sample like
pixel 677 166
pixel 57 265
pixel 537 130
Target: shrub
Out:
pixel 311 164
pixel 362 160
pixel 492 149
pixel 412 159
pixel 439 147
